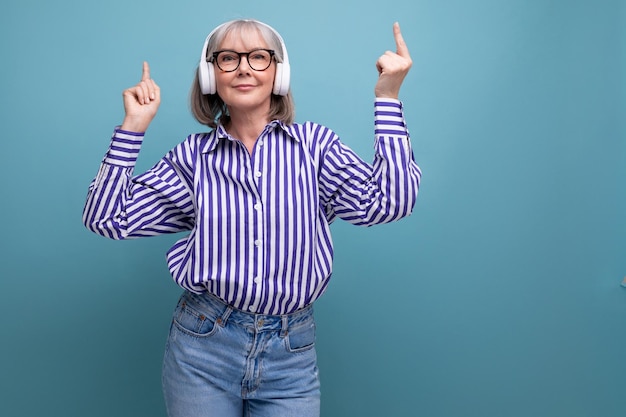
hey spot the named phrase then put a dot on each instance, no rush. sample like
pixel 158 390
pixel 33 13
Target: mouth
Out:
pixel 244 87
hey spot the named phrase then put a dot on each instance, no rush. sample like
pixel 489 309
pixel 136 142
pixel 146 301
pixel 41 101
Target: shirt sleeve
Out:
pixel 381 192
pixel 121 206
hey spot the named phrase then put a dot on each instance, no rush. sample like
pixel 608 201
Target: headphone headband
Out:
pixel 206 70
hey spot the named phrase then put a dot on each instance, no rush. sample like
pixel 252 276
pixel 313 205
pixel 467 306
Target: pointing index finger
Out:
pixel 146 72
pixel 401 48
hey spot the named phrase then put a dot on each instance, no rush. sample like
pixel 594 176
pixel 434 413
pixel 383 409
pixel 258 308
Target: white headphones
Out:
pixel 206 70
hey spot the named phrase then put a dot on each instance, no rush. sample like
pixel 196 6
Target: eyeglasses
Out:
pixel 228 61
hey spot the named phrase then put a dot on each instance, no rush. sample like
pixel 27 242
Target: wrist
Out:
pixel 132 125
pixel 386 95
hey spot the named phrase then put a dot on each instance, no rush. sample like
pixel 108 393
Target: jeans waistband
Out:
pixel 212 306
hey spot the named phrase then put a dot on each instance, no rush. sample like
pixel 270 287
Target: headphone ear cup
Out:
pixel 281 81
pixel 206 77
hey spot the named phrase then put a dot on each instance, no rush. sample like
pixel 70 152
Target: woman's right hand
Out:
pixel 141 103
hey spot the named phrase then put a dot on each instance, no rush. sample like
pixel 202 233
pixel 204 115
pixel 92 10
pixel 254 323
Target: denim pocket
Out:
pixel 193 322
pixel 301 338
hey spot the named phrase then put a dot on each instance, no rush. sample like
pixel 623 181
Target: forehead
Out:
pixel 243 37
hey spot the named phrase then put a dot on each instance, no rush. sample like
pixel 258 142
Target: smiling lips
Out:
pixel 244 87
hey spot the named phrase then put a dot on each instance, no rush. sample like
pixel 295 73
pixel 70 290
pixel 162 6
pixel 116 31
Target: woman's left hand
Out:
pixel 393 67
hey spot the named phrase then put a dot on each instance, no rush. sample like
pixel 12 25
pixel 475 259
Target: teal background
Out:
pixel 500 296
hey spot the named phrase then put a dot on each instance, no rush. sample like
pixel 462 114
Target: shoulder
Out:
pixel 311 133
pixel 202 142
pixel 187 151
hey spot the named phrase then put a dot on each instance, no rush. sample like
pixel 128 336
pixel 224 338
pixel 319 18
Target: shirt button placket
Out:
pixel 258 239
pixel 258 247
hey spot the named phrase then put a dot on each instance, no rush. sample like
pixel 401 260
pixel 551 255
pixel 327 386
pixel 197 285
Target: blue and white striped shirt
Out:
pixel 259 223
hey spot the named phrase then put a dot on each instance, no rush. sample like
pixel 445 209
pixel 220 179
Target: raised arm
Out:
pixel 386 190
pixel 121 206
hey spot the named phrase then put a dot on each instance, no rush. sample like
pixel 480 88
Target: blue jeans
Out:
pixel 224 362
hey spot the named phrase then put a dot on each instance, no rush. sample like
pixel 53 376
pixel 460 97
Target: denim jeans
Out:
pixel 224 362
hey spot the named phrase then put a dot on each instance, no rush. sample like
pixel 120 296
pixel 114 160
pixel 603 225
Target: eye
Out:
pixel 259 56
pixel 227 57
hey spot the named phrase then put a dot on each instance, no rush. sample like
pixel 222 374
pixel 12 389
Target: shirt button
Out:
pixel 257 280
pixel 257 206
pixel 257 242
pixel 260 142
pixel 258 174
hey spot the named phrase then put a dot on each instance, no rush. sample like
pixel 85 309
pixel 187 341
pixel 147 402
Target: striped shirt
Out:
pixel 259 223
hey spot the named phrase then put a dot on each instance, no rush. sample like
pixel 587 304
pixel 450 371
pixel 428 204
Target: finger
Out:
pixel 401 48
pixel 142 94
pixel 151 88
pixel 147 91
pixel 146 72
pixel 134 94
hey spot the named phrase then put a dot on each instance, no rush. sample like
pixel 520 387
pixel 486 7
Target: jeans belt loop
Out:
pixel 284 331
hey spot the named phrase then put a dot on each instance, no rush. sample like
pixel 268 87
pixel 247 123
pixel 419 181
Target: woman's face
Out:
pixel 245 90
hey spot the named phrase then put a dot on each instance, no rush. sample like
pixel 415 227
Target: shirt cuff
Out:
pixel 389 117
pixel 124 148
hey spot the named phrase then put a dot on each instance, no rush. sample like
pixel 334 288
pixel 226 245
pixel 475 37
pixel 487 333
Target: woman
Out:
pixel 257 194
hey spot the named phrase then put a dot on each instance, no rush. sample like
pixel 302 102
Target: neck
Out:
pixel 246 127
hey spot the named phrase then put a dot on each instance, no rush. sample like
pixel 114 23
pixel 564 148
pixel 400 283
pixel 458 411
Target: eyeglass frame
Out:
pixel 214 55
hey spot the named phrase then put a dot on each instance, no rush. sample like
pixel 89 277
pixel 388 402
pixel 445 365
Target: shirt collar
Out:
pixel 210 141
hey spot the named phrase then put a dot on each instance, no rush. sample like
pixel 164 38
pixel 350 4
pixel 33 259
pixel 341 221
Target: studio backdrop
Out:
pixel 499 297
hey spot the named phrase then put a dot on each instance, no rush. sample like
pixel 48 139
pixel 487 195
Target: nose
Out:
pixel 244 66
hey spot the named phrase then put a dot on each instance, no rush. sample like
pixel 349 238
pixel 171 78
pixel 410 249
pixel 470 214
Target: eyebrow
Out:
pixel 250 49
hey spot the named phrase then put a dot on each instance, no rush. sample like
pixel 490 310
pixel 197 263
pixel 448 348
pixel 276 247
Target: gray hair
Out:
pixel 210 109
